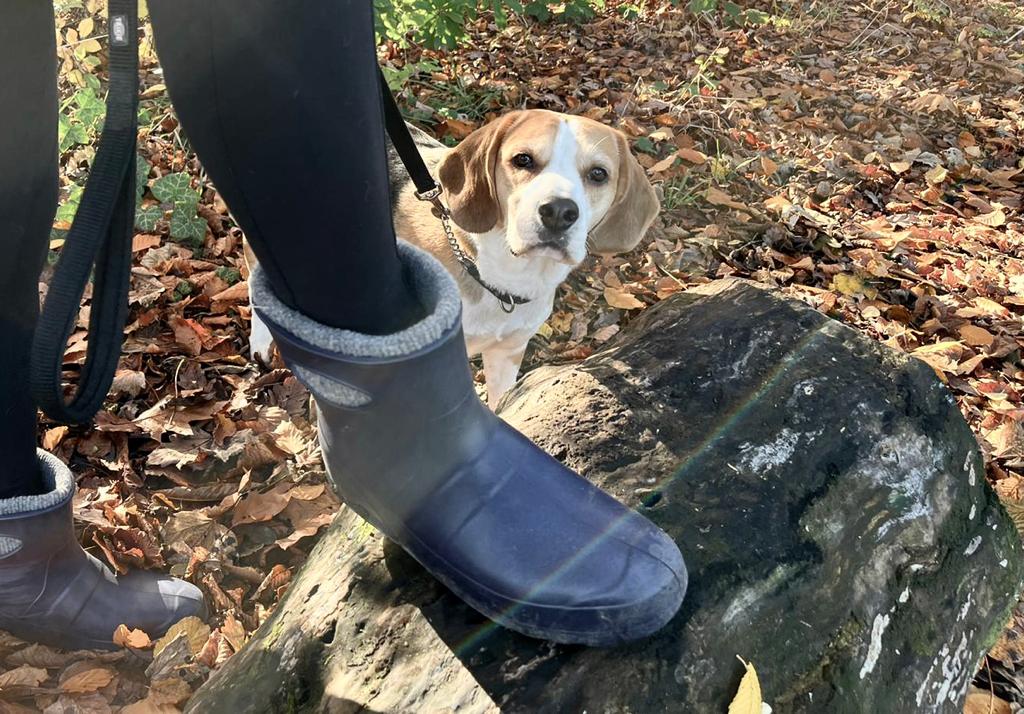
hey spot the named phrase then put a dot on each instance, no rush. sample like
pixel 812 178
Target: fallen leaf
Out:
pixel 23 676
pixel 976 336
pixel 853 285
pixel 748 697
pixel 980 701
pixel 137 639
pixel 85 676
pixel 194 629
pixel 621 299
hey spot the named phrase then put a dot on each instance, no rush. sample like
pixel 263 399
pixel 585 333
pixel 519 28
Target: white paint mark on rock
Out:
pixel 875 646
pixel 770 455
pixel 973 546
pixel 973 513
pixel 904 596
pixel 1003 563
pixel 969 468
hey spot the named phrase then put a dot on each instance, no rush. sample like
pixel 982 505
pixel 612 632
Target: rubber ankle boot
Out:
pixel 411 448
pixel 53 592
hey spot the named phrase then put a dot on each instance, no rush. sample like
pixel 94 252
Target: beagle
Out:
pixel 528 195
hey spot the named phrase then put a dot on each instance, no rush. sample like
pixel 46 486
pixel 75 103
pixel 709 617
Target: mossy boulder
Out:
pixel 825 490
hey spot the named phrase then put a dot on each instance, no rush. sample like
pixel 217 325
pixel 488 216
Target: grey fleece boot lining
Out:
pixel 61 484
pixel 432 284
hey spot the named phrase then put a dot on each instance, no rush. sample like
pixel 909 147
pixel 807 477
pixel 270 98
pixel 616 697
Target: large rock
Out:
pixel 827 494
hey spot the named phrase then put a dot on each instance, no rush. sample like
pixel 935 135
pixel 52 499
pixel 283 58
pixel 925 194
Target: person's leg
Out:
pixel 281 102
pixel 282 105
pixel 51 591
pixel 28 196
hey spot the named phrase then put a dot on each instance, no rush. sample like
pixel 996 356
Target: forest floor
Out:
pixel 863 157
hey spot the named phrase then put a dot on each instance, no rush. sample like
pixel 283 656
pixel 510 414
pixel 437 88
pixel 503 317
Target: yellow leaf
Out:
pixel 900 167
pixel 85 27
pixel 621 300
pixel 90 46
pixel 748 698
pixel 994 219
pixel 936 175
pixel 849 284
pixel 195 629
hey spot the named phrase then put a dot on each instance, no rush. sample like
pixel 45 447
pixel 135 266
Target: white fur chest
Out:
pixel 488 327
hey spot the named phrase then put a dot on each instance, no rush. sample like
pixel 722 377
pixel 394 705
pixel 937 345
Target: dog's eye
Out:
pixel 522 161
pixel 598 175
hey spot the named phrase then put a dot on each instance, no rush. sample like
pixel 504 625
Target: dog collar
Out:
pixel 508 301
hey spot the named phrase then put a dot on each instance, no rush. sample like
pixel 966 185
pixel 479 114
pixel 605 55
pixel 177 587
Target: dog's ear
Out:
pixel 632 211
pixel 467 175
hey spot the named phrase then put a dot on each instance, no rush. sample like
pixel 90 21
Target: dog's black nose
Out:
pixel 558 215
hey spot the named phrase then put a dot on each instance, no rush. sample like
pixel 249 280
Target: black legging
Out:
pixel 28 196
pixel 282 104
pixel 281 101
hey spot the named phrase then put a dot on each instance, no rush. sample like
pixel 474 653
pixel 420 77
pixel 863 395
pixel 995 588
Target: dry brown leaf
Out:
pixel 980 701
pixel 257 507
pixel 622 299
pixel 664 164
pixel 691 155
pixel 85 676
pixel 976 336
pixel 53 437
pixel 23 676
pixel 718 197
pixel 137 639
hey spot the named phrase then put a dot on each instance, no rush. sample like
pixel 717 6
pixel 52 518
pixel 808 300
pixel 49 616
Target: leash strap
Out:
pixel 100 236
pixel 427 189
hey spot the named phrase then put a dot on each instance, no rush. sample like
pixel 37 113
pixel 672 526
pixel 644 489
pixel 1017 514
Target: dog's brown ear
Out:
pixel 467 175
pixel 632 211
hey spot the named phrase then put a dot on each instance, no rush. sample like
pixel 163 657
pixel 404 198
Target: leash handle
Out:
pixel 100 236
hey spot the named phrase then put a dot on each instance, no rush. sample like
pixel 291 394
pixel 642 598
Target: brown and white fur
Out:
pixel 496 198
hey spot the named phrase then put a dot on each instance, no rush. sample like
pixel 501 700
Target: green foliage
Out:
pixel 228 275
pixel 441 24
pixel 81 116
pixel 734 14
pixel 185 225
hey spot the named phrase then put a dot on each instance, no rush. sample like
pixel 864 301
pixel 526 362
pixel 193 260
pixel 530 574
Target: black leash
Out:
pixel 427 189
pixel 100 236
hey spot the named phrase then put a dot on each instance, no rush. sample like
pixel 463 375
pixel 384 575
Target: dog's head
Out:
pixel 555 184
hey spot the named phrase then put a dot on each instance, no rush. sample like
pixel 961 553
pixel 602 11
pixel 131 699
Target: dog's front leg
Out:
pixel 501 367
pixel 260 340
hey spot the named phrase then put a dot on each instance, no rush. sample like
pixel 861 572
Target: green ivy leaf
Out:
pixel 645 145
pixel 175 188
pixel 146 217
pixel 186 225
pixel 67 209
pixel 142 169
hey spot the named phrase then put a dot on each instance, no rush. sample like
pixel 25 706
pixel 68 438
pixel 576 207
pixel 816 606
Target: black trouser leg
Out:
pixel 28 196
pixel 282 104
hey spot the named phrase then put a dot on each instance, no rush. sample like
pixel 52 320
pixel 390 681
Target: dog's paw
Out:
pixel 260 341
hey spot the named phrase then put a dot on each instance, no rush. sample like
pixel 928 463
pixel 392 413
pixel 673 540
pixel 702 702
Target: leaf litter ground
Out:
pixel 865 158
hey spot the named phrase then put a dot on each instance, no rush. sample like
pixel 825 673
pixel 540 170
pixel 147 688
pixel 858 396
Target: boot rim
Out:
pixel 58 479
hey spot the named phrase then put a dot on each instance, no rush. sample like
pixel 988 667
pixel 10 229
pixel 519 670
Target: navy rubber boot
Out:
pixel 53 592
pixel 411 448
